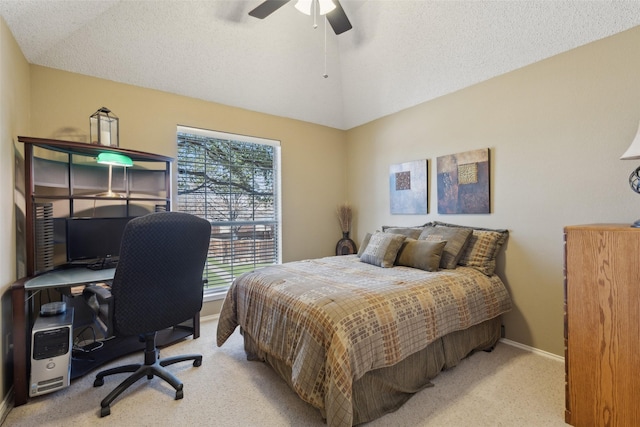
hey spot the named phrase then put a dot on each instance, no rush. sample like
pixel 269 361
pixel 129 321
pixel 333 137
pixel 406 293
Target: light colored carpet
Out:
pixel 508 387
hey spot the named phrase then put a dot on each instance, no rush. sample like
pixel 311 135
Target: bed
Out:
pixel 357 335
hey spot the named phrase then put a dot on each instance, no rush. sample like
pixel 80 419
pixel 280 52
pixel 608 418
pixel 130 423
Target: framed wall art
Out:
pixel 463 183
pixel 408 183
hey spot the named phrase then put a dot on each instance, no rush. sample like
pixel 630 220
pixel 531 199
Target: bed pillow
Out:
pixel 456 238
pixel 483 247
pixel 422 254
pixel 382 249
pixel 410 232
pixel 363 244
pixel 386 227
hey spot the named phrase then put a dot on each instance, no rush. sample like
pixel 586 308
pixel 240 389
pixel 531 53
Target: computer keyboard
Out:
pixel 103 264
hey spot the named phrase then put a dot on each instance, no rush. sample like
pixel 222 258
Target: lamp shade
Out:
pixel 633 152
pixel 114 159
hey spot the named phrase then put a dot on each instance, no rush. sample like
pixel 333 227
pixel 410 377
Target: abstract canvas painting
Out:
pixel 408 187
pixel 463 183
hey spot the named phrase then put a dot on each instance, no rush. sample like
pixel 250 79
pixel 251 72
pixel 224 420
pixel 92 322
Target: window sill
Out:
pixel 215 295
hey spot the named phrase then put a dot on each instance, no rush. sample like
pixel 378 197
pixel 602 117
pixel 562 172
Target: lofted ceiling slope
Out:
pixel 398 54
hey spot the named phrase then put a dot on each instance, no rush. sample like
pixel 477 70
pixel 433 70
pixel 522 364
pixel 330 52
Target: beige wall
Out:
pixel 14 120
pixel 313 157
pixel 556 130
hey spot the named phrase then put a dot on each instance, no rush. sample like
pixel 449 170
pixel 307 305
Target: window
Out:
pixel 234 182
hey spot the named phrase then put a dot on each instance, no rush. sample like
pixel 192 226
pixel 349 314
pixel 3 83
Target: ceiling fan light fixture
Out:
pixel 326 6
pixel 305 6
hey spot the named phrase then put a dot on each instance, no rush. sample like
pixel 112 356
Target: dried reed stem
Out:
pixel 344 216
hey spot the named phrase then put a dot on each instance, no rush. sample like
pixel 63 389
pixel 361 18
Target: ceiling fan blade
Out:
pixel 338 19
pixel 267 7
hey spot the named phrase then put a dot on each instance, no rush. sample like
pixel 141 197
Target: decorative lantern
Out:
pixel 104 128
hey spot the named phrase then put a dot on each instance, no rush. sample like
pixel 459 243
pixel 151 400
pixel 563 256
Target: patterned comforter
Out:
pixel 334 319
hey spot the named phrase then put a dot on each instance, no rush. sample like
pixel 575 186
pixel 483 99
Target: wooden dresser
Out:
pixel 602 325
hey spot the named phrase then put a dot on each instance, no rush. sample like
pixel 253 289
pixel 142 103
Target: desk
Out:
pixel 21 291
pixel 68 277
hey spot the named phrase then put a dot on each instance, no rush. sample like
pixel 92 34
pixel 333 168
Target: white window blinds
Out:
pixel 232 181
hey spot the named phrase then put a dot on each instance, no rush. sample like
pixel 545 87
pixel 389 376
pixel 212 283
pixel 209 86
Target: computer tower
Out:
pixel 51 348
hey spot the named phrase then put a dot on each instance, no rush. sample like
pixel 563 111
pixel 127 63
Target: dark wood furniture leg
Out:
pixel 19 332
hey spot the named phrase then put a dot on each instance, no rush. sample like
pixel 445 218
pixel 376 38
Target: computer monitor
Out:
pixel 94 239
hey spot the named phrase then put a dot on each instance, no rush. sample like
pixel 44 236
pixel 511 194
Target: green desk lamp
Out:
pixel 113 159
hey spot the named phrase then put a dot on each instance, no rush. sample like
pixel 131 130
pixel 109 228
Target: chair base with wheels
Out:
pixel 152 366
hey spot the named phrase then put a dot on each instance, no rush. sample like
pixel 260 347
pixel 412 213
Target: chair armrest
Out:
pixel 100 300
pixel 103 295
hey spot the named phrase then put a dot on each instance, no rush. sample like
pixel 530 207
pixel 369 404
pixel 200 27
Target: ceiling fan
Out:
pixel 336 17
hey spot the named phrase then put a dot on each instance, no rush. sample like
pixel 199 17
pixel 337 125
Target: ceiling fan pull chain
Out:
pixel 325 75
pixel 314 5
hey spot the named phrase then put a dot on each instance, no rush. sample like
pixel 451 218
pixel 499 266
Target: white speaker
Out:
pixel 51 348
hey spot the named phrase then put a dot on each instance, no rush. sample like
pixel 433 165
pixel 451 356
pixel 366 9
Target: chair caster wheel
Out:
pixel 197 362
pixel 105 411
pixel 150 376
pixel 179 394
pixel 97 383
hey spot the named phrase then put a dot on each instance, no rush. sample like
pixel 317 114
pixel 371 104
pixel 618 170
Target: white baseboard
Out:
pixel 533 350
pixel 6 406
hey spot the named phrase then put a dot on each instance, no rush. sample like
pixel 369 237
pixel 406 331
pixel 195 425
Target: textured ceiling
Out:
pixel 398 54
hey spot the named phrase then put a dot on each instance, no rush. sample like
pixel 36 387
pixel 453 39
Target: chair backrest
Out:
pixel 158 282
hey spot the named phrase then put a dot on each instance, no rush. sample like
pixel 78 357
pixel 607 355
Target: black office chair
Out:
pixel 158 284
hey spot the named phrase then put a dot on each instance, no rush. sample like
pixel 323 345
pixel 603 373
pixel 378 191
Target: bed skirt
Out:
pixel 384 390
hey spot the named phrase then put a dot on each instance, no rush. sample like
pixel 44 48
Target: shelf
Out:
pixel 114 199
pixel 91 150
pixel 83 363
pixel 70 184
